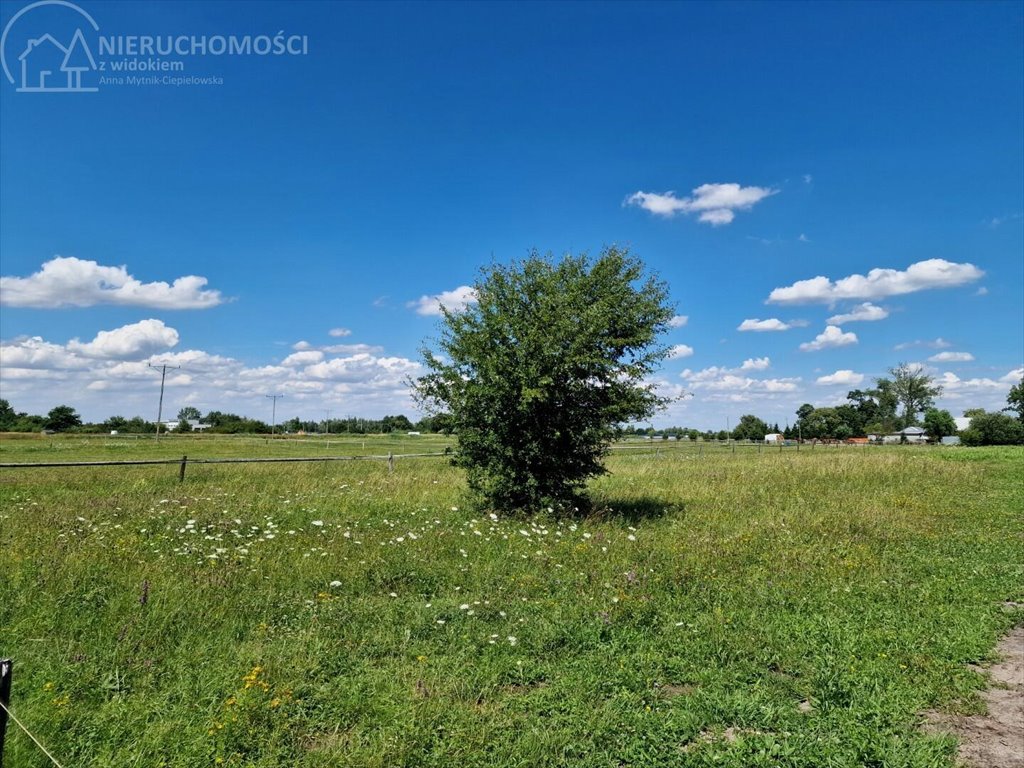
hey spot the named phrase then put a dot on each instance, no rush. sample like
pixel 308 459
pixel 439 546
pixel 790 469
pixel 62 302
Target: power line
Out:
pixel 273 424
pixel 160 409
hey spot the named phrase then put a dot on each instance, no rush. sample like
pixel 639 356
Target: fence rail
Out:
pixel 184 461
pixel 652 447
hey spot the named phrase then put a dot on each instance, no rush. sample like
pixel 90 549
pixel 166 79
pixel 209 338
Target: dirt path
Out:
pixel 994 740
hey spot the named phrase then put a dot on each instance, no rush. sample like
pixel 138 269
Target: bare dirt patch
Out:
pixel 672 690
pixel 729 736
pixel 996 739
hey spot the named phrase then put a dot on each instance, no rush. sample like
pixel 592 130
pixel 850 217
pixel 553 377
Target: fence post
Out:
pixel 391 462
pixel 6 672
pixel 181 470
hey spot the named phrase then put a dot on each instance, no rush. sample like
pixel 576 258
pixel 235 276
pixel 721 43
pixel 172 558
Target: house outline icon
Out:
pixel 77 58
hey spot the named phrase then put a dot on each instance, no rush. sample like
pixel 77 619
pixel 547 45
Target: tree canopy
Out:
pixel 1015 400
pixel 189 413
pixel 538 374
pixel 750 428
pixel 939 424
pixel 914 389
pixel 62 417
pixel 993 429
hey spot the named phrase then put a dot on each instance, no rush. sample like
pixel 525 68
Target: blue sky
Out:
pixel 741 150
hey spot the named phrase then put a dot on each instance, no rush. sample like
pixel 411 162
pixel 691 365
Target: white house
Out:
pixel 197 426
pixel 914 435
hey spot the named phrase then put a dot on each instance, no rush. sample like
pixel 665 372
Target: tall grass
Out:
pixel 757 609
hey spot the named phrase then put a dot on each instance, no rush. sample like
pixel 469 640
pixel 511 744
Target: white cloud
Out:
pixel 951 357
pixel 996 221
pixel 955 388
pixel 879 283
pixel 306 357
pixel 808 178
pixel 353 349
pixel 717 217
pixel 720 379
pixel 141 339
pixel 845 377
pixel 861 312
pixel 38 374
pixel 339 332
pixel 35 353
pixel 72 282
pixel 832 336
pixel 939 343
pixel 756 364
pixel 716 204
pixel 454 301
pixel 760 326
pixel 363 368
pixel 680 351
pixel 804 238
pixel 678 321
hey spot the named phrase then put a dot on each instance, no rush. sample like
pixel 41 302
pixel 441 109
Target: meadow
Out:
pixel 774 608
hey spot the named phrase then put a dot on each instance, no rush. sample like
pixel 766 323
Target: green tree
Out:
pixel 115 423
pixel 750 427
pixel 63 418
pixel 138 425
pixel 443 423
pixel 938 424
pixel 825 423
pixel 398 423
pixel 1015 400
pixel 914 389
pixel 189 413
pixel 7 416
pixel 875 409
pixel 539 373
pixel 993 429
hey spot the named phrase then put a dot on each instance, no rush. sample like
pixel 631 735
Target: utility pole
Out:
pixel 273 424
pixel 160 408
pixel 327 424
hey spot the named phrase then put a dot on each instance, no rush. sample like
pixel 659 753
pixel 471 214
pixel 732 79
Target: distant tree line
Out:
pixel 64 418
pixel 873 411
pixel 906 399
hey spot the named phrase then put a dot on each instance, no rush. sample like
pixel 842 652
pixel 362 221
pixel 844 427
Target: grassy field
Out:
pixel 775 609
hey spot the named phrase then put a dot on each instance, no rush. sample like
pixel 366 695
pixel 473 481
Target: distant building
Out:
pixel 197 426
pixel 911 435
pixel 774 438
pixel 914 435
